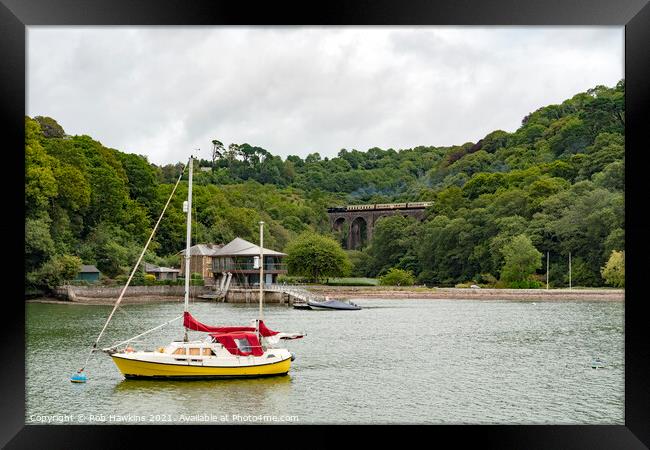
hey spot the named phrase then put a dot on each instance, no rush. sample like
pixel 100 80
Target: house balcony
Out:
pixel 249 268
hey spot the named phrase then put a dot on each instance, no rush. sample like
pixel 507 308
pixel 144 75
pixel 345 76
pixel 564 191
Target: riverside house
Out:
pixel 215 261
pixel 238 257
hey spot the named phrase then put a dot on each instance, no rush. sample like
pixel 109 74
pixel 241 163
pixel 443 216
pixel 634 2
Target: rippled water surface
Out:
pixel 395 361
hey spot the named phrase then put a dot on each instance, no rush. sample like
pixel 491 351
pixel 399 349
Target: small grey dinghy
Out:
pixel 333 304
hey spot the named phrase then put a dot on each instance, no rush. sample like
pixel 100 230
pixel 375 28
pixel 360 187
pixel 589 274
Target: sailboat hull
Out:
pixel 132 368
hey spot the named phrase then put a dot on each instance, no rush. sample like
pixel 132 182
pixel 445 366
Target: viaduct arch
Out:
pixel 357 222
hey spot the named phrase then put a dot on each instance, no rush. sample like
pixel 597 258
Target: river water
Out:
pixel 395 361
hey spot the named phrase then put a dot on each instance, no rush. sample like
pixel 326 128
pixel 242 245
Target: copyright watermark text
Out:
pixel 159 418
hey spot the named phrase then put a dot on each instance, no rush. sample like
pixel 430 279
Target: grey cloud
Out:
pixel 163 91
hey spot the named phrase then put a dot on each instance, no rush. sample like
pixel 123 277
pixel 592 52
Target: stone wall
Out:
pixel 150 294
pixel 102 294
pixel 253 296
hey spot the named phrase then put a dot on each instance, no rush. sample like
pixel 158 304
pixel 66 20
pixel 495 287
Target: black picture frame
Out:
pixel 15 15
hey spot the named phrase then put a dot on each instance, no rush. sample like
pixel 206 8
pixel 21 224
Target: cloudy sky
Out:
pixel 164 91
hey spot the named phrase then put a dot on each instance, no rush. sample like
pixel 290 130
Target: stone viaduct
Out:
pixel 356 222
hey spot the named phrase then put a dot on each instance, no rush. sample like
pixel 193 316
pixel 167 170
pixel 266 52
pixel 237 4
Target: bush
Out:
pixel 486 279
pixel 193 282
pixel 397 277
pixel 525 284
pixel 121 279
pixel 55 271
pixel 138 278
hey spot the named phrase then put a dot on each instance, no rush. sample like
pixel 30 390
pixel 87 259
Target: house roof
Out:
pixel 203 249
pixel 241 247
pixel 88 268
pixel 236 247
pixel 151 268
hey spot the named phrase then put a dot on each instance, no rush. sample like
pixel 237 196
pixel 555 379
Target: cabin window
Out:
pixel 179 351
pixel 208 352
pixel 243 345
pixel 195 351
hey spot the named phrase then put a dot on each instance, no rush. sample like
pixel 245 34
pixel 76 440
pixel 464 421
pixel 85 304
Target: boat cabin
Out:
pixel 239 344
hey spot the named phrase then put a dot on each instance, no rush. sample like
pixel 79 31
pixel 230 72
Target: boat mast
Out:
pixel 188 239
pixel 261 269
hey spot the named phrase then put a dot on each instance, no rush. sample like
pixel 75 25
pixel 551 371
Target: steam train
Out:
pixel 380 206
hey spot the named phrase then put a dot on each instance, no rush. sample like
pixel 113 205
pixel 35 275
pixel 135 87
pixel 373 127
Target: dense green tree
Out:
pixel 392 240
pixel 521 259
pixel 40 183
pixel 50 127
pixel 568 135
pixel 316 257
pixel 484 183
pixel 39 245
pixel 142 178
pixel 614 270
pixel 444 250
pixel 361 262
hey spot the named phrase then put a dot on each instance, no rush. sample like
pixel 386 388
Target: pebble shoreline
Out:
pixel 471 294
pixel 381 292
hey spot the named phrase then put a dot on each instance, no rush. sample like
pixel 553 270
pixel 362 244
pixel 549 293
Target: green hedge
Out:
pixel 352 282
pixel 293 280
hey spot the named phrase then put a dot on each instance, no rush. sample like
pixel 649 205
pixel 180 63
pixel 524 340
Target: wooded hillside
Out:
pixel 558 180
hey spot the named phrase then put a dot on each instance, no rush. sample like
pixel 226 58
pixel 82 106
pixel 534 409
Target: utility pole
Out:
pixel 188 240
pixel 261 269
pixel 570 270
pixel 547 253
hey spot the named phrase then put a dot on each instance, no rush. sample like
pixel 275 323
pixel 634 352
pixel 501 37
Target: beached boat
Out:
pixel 326 304
pixel 301 304
pixel 224 351
pixel 334 304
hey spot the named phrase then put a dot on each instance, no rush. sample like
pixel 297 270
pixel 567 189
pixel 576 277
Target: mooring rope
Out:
pixel 134 268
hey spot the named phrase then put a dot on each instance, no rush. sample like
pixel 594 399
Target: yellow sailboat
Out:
pixel 225 351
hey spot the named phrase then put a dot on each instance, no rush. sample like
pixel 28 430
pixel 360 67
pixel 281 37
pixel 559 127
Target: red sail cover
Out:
pixel 190 322
pixel 248 343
